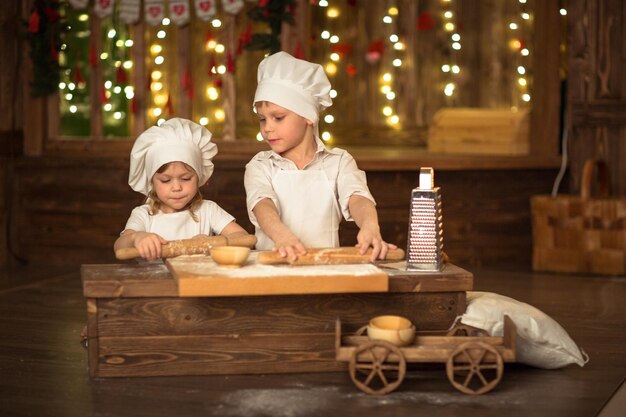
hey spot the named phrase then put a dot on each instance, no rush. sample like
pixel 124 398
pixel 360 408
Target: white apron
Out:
pixel 308 207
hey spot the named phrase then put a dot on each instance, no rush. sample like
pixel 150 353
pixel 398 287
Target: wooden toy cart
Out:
pixel 474 360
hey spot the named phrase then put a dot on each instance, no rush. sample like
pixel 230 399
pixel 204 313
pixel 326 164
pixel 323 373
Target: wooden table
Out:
pixel 139 325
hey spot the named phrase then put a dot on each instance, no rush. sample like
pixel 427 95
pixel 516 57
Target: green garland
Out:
pixel 43 32
pixel 273 13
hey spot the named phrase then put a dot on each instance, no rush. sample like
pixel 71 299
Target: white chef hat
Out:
pixel 295 84
pixel 175 140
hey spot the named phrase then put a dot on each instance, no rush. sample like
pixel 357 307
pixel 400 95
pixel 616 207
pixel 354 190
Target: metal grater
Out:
pixel 425 242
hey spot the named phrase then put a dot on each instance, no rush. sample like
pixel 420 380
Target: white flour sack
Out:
pixel 541 341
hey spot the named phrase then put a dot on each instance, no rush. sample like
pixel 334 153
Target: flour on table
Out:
pixel 204 266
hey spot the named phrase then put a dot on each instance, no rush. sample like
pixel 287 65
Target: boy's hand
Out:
pixel 289 246
pixel 370 237
pixel 148 245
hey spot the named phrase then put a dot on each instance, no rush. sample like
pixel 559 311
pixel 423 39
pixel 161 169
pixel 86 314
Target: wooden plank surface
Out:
pixel 201 276
pixel 153 279
pixel 254 334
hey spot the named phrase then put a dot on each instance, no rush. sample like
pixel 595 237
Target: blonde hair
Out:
pixel 154 204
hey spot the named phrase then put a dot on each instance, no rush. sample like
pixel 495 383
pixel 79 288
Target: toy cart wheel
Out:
pixel 475 368
pixel 466 330
pixel 371 369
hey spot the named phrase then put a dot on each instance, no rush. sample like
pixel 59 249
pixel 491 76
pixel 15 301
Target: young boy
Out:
pixel 298 191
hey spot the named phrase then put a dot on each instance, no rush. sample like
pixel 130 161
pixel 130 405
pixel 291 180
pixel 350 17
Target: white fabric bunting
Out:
pixel 205 9
pixel 154 11
pixel 129 11
pixel 79 4
pixel 232 6
pixel 179 11
pixel 103 8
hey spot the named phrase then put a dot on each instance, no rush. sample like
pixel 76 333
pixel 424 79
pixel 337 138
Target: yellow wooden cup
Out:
pixel 393 329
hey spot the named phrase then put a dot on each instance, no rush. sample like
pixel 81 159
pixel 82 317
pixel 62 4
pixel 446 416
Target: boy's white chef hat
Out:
pixel 175 140
pixel 295 84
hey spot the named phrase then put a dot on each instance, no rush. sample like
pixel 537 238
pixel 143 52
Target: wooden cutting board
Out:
pixel 199 276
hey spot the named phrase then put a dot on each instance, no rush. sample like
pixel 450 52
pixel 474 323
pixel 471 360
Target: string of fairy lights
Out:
pixel 519 45
pixel 115 59
pixel 451 69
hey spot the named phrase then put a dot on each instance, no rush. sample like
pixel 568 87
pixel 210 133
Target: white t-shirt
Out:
pixel 340 168
pixel 173 226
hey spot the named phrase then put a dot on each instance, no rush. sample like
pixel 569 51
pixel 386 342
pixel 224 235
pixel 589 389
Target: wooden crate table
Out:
pixel 139 324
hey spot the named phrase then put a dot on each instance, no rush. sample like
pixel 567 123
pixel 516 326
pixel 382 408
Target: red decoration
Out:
pixel 263 3
pixel 244 39
pixel 351 70
pixel 352 3
pixel 187 83
pixel 169 106
pixel 93 57
pixel 33 22
pixel 120 76
pixel 217 83
pixel 425 22
pixel 375 51
pixel 52 14
pixel 133 105
pixel 342 49
pixel 212 66
pixel 230 63
pixel 54 54
pixel 209 37
pixel 298 53
pixel 190 91
pixel 78 76
pixel 103 95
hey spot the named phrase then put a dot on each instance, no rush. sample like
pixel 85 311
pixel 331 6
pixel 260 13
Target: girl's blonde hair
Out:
pixel 154 204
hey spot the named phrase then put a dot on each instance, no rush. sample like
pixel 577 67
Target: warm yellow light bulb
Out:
pixel 220 115
pixel 331 69
pixel 212 93
pixel 332 12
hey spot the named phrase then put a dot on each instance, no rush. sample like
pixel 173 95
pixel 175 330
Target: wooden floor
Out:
pixel 43 368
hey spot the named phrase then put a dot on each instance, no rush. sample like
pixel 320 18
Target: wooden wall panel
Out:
pixel 597 88
pixel 71 210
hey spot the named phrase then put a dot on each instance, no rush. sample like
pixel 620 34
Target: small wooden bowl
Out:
pixel 230 256
pixel 396 330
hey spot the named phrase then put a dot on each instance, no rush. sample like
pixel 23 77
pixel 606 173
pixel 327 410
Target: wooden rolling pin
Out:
pixel 196 246
pixel 328 256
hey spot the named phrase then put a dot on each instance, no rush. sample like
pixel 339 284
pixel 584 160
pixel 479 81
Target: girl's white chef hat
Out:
pixel 295 84
pixel 175 140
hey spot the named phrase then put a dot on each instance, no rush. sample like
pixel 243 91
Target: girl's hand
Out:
pixel 148 245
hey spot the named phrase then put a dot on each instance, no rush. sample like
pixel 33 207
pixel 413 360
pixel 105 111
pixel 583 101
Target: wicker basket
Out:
pixel 581 233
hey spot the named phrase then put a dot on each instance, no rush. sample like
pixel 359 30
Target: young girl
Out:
pixel 168 164
pixel 298 191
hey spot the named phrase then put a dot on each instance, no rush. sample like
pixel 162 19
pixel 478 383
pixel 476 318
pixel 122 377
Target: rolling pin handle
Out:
pixel 246 240
pixel 125 254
